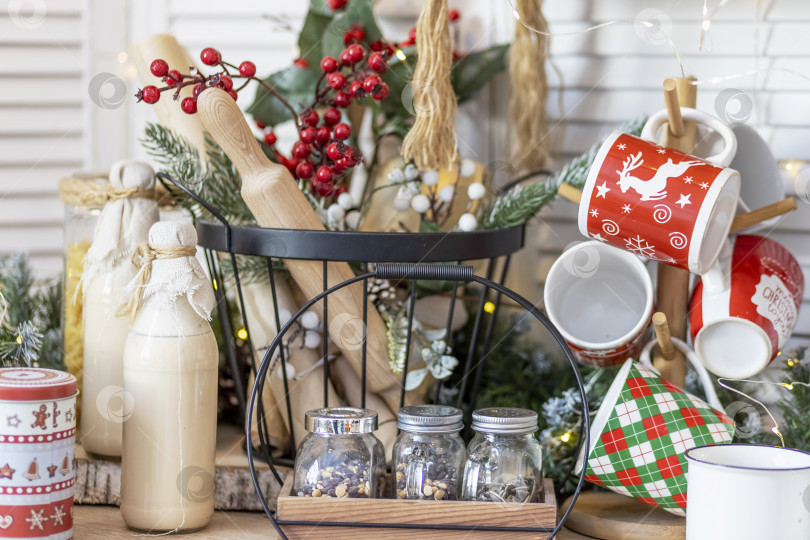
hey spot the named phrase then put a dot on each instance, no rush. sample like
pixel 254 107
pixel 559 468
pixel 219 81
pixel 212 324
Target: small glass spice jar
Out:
pixel 428 453
pixel 340 457
pixel 504 460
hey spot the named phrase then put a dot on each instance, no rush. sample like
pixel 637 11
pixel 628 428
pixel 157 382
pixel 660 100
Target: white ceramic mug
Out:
pixel 723 158
pixel 748 492
pixel 759 171
pixel 600 298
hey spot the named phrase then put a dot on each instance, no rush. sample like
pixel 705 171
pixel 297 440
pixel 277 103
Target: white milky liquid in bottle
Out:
pixel 104 402
pixel 170 372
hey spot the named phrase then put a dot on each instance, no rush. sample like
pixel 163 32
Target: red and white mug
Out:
pixel 744 309
pixel 601 300
pixel 660 203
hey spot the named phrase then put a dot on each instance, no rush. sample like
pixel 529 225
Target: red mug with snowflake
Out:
pixel 660 203
pixel 37 466
pixel 744 309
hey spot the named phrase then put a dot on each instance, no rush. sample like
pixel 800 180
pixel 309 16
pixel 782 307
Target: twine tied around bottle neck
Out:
pixel 431 142
pixel 79 192
pixel 143 258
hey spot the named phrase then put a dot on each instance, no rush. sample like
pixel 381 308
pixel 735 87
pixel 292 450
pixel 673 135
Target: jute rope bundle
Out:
pixel 527 72
pixel 431 142
pixel 80 192
pixel 143 258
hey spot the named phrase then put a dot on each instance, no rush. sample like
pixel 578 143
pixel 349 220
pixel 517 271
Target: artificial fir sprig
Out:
pixel 30 317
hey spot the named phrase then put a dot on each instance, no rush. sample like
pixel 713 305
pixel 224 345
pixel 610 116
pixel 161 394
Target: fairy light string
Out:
pixel 705 27
pixel 788 385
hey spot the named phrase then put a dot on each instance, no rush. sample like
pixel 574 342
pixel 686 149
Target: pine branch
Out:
pixel 518 205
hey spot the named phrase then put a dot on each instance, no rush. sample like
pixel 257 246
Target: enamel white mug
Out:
pixel 747 492
pixel 601 300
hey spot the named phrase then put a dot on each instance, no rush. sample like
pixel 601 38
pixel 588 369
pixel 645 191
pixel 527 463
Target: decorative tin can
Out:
pixel 37 466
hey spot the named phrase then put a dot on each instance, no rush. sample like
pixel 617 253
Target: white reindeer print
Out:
pixel 654 188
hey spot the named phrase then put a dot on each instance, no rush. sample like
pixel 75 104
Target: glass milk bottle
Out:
pixel 123 225
pixel 170 374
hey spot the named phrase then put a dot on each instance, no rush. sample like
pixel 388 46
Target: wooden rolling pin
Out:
pixel 272 195
pixel 168 111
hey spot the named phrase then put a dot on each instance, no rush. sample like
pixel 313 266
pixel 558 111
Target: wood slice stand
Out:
pixel 412 512
pixel 609 516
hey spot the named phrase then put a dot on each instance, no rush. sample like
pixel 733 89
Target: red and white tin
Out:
pixel 37 465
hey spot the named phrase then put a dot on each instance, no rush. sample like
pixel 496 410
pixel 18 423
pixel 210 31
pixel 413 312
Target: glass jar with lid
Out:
pixel 340 457
pixel 429 453
pixel 504 460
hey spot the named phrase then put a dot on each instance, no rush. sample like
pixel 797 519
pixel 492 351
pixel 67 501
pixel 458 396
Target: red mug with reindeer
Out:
pixel 660 203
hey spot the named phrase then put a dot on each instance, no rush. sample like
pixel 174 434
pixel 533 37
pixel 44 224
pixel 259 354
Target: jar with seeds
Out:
pixel 504 460
pixel 429 454
pixel 340 457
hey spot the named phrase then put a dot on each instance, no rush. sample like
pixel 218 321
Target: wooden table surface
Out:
pixel 104 522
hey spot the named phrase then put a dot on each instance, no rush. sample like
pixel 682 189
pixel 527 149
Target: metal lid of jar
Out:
pixel 35 384
pixel 506 420
pixel 430 419
pixel 341 421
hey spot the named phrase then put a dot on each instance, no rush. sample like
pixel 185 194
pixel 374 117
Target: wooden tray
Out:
pixel 293 509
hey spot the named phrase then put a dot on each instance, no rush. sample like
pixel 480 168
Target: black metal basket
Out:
pixel 406 257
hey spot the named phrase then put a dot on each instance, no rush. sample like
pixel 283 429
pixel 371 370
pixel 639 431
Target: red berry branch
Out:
pixel 321 154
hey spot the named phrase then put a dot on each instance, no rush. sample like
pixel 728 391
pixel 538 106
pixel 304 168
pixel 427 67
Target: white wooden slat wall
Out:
pixel 602 78
pixel 42 128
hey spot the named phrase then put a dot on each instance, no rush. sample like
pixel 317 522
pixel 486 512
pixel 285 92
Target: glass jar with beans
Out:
pixel 340 457
pixel 429 454
pixel 504 460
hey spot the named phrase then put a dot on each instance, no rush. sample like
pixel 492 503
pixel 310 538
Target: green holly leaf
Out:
pixel 475 69
pixel 356 12
pixel 320 7
pixel 426 226
pixel 296 84
pixel 310 38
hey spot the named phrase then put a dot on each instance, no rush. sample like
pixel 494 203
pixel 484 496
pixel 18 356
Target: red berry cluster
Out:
pixel 336 5
pixel 322 154
pixel 174 80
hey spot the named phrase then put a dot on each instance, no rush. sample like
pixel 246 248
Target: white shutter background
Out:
pixel 49 127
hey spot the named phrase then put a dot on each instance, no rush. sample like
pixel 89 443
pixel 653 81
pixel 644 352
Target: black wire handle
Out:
pixel 427 272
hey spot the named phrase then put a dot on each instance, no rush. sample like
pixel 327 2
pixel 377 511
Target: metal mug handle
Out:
pixel 723 158
pixel 691 357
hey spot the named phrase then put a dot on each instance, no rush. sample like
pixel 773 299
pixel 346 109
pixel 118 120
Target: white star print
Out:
pixel 37 519
pixel 13 421
pixel 595 212
pixel 626 209
pixel 684 200
pixel 621 146
pixel 58 515
pixel 688 179
pixel 704 185
pixel 662 151
pixel 597 236
pixel 672 261
pixel 603 189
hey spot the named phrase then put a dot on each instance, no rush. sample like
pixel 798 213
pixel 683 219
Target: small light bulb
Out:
pixel 788 386
pixel 706 25
pixel 775 430
pixel 19 340
pixel 566 437
pixel 215 283
pixel 401 55
pixel 791 363
pixel 241 334
pixel 489 307
pixel 788 166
